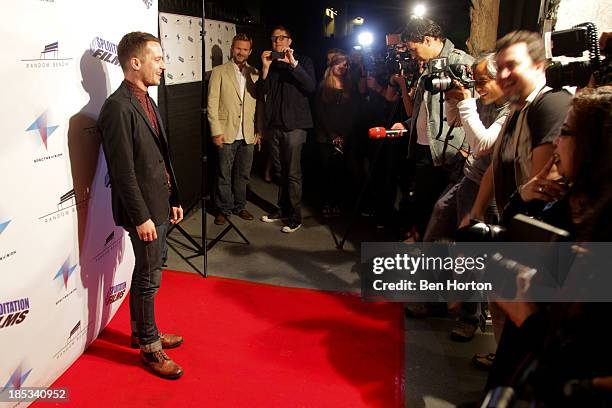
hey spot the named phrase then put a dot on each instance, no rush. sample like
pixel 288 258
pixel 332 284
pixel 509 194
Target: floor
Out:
pixel 438 371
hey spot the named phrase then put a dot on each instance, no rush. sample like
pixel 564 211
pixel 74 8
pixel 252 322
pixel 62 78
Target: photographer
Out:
pixel 547 348
pixel 537 112
pixel 482 120
pixel 524 145
pixel 436 164
pixel 287 80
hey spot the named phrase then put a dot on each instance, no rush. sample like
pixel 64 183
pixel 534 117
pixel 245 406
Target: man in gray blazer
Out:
pixel 232 104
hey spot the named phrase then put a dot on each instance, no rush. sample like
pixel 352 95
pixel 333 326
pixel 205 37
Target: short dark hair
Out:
pixel 242 37
pixel 280 27
pixel 418 28
pixel 133 44
pixel 533 40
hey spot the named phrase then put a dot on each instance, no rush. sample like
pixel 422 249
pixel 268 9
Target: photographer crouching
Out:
pixel 481 119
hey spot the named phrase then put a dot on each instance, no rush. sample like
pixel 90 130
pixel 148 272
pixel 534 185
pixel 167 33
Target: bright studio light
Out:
pixel 419 10
pixel 365 39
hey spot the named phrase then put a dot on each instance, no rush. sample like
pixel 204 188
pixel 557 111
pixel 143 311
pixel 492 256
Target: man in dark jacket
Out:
pixel 286 82
pixel 143 188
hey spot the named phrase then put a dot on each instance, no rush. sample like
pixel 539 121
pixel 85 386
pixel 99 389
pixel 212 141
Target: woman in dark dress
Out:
pixel 336 107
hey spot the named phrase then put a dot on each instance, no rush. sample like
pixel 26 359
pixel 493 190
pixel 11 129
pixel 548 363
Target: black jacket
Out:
pixel 286 90
pixel 137 161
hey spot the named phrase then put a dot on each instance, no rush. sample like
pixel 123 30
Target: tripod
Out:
pixel 203 248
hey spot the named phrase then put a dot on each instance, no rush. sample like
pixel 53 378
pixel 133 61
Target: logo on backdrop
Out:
pixel 148 3
pixel 49 56
pixel 3 255
pixel 65 271
pixel 110 243
pixel 14 312
pixel 104 50
pixel 43 128
pixel 76 333
pixel 115 293
pixel 66 205
pixel 3 226
pixel 18 378
pixel 64 274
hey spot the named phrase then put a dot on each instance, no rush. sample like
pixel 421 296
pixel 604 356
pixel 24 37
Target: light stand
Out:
pixel 202 249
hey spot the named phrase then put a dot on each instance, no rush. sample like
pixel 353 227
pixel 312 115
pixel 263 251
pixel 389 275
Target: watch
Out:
pixel 295 65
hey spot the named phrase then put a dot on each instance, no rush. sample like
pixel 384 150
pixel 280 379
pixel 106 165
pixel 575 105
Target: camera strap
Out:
pixel 464 154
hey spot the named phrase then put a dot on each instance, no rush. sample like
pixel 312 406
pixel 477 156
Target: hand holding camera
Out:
pixel 282 56
pixel 458 92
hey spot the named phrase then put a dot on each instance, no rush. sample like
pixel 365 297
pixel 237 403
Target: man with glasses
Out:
pixel 286 81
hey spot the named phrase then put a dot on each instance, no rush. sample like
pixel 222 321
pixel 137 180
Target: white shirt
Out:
pixel 241 78
pixel 478 136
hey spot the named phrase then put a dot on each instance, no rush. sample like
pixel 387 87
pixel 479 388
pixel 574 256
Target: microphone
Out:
pixel 381 132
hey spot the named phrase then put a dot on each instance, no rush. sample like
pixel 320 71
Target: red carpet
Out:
pixel 250 345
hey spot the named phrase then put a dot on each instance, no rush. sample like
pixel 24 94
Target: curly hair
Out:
pixel 418 28
pixel 592 114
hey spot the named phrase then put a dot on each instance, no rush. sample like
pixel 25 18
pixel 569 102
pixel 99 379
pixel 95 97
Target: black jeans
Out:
pixel 287 146
pixel 145 284
pixel 431 181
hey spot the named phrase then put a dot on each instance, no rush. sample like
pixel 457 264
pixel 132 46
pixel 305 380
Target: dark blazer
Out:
pixel 137 161
pixel 289 88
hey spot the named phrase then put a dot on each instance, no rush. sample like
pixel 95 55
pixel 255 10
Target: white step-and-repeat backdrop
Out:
pixel 64 266
pixel 181 38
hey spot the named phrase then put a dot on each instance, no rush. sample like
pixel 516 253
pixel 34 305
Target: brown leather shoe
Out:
pixel 160 364
pixel 220 219
pixel 245 215
pixel 168 341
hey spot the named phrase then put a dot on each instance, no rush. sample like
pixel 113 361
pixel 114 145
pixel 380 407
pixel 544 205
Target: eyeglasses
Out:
pixel 275 38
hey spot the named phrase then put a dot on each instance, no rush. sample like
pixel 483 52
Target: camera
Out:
pixel 441 75
pixel 521 229
pixel 573 43
pixel 277 55
pixel 535 263
pixel 398 60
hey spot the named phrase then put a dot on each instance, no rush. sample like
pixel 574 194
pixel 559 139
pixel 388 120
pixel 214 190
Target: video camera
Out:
pixel 441 75
pixel 573 43
pixel 398 59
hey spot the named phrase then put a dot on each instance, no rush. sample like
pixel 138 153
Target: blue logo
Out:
pixel 3 226
pixel 17 378
pixel 65 271
pixel 41 125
